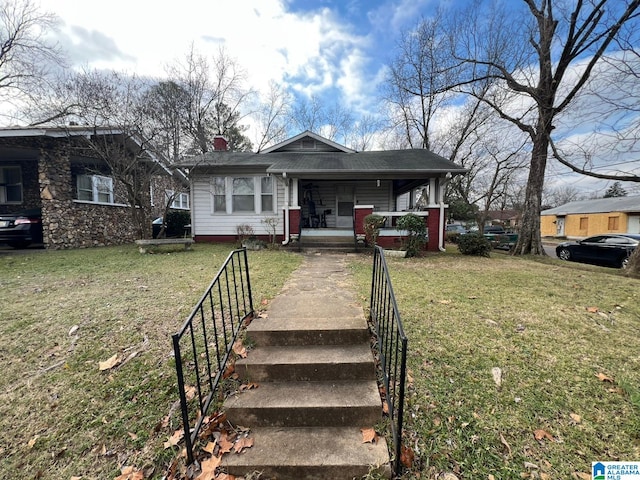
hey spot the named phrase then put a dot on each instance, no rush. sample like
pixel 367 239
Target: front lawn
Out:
pixel 566 340
pixel 564 336
pixel 63 313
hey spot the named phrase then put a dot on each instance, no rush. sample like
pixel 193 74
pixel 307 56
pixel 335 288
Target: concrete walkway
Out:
pixel 317 382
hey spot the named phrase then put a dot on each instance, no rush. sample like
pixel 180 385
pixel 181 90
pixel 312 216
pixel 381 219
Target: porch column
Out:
pixel 359 212
pixel 433 228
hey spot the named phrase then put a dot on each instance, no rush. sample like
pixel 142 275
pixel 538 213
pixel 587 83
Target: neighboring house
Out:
pixel 311 186
pixel 591 217
pixel 82 203
pixel 506 218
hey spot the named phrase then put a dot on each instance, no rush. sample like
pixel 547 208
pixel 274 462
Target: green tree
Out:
pixel 615 190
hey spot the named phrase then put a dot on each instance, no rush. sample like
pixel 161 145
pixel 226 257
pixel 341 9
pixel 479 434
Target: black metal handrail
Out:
pixel 392 347
pixel 210 332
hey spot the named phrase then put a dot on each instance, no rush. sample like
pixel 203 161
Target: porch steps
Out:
pixel 327 243
pixel 316 386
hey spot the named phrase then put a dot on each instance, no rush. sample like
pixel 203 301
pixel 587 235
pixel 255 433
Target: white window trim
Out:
pixel 181 197
pixel 257 195
pixel 3 199
pixel 95 180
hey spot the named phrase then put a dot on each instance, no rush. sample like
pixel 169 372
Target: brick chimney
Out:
pixel 220 143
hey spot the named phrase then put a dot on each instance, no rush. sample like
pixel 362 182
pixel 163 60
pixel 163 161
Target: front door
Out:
pixel 344 206
pixel 560 227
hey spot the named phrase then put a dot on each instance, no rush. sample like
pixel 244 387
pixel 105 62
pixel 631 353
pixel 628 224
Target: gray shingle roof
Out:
pixel 599 205
pixel 371 163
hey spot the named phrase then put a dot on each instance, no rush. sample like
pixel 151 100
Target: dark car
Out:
pixel 607 249
pixel 455 228
pixel 19 230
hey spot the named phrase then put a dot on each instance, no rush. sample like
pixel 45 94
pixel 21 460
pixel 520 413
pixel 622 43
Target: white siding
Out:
pixel 206 222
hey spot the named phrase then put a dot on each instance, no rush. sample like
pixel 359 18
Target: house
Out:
pixel 591 217
pixel 83 203
pixel 309 186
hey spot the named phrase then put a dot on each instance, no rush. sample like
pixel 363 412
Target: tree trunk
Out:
pixel 633 269
pixel 529 238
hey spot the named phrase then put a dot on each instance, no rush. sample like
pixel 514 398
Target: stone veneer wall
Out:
pixel 71 224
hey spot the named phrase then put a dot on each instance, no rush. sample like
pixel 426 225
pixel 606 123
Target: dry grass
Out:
pixel 59 415
pixel 536 321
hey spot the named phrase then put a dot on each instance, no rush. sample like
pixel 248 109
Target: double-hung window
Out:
pixel 243 194
pixel 219 194
pixel 266 194
pixel 10 185
pixel 179 200
pixel 95 188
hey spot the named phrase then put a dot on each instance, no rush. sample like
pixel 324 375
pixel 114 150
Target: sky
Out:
pixel 336 50
pixel 322 47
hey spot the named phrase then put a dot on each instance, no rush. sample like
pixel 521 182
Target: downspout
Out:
pixel 287 236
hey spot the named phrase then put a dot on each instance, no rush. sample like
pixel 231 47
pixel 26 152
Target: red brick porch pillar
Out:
pixel 359 212
pixel 433 228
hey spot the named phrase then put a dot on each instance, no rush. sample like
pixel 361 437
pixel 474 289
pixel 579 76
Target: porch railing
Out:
pixel 203 346
pixel 385 321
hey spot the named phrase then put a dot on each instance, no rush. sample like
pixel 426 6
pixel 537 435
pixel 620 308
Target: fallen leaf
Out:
pixel 385 408
pixel 445 302
pixel 225 445
pixel 243 443
pixel 575 417
pixel 209 447
pixel 33 441
pixel 263 315
pixel 504 442
pixel 603 378
pixel 133 436
pixel 228 371
pixel 542 434
pixel 208 468
pixel 531 466
pixel 174 439
pixel 75 478
pixel 248 386
pixel 109 364
pixel 592 309
pixel 239 349
pixel 406 456
pixel 491 477
pixel 581 475
pixel 130 473
pixel 264 301
pixel 73 330
pixel 496 372
pixel 545 476
pixel 369 435
pixel 190 391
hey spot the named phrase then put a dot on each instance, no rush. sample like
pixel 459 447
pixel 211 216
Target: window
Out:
pixel 243 189
pixel 243 194
pixel 584 223
pixel 613 223
pixel 95 188
pixel 180 200
pixel 10 185
pixel 266 194
pixel 218 190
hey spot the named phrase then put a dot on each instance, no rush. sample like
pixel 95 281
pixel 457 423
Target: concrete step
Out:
pixel 309 453
pixel 307 363
pixel 302 331
pixel 306 404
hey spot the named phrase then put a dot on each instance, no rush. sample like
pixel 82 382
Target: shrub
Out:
pixel 244 231
pixel 474 244
pixel 372 224
pixel 416 233
pixel 176 220
pixel 452 237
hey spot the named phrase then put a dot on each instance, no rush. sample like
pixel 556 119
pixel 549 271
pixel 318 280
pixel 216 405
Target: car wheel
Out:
pixel 564 254
pixel 624 263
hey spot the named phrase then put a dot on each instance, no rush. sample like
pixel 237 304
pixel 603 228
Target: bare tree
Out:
pixel 272 116
pixel 215 94
pixel 541 64
pixel 26 56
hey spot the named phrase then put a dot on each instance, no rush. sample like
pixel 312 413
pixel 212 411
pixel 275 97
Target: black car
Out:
pixel 607 249
pixel 19 230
